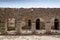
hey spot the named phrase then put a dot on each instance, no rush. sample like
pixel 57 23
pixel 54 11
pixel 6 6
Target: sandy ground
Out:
pixel 31 37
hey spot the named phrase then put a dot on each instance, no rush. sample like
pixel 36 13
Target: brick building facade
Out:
pixel 30 20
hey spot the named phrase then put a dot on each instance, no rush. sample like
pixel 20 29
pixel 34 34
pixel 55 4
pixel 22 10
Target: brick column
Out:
pixel 59 25
pixel 18 25
pixel 6 25
pixel 48 27
pixel 33 29
pixel 20 28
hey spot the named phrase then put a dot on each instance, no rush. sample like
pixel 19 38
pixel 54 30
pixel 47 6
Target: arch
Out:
pixel 10 24
pixel 56 24
pixel 38 24
pixel 29 22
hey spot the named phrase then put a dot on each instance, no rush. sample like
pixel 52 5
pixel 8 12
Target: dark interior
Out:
pixel 37 24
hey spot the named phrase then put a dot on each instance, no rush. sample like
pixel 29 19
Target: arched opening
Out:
pixel 29 22
pixel 27 25
pixel 37 24
pixel 56 24
pixel 11 24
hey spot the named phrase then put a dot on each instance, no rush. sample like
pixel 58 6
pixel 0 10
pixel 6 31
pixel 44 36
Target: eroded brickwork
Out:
pixel 22 15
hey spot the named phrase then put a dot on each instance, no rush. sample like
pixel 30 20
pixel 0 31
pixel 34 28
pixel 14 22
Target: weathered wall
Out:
pixel 22 15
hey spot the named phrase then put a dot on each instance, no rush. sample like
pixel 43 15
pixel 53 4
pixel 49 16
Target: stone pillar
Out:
pixel 59 25
pixel 48 27
pixel 6 26
pixel 33 28
pixel 20 28
pixel 18 25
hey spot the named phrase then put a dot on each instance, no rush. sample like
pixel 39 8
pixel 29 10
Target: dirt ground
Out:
pixel 31 37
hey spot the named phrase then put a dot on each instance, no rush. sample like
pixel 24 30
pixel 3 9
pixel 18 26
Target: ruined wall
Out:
pixel 22 15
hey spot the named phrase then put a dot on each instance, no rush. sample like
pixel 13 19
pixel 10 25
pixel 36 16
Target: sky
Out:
pixel 30 3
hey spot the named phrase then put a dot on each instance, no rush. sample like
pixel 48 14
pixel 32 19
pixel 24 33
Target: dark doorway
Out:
pixel 37 24
pixel 29 22
pixel 56 24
